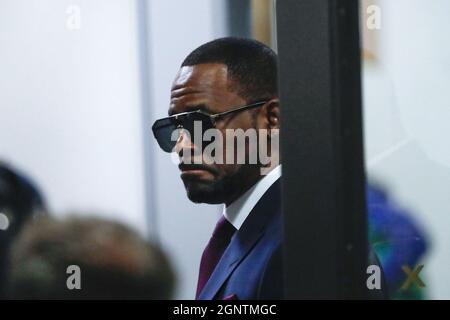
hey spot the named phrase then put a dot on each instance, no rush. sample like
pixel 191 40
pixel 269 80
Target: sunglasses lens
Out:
pixel 193 123
pixel 162 130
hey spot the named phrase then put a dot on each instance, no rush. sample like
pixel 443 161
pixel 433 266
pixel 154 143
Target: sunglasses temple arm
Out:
pixel 253 105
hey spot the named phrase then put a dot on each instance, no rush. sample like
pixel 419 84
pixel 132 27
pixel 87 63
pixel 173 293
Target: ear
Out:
pixel 272 114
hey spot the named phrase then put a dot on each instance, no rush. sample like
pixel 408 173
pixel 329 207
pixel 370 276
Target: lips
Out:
pixel 196 172
pixel 194 167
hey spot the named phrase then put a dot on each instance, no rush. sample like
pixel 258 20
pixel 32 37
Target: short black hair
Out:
pixel 252 66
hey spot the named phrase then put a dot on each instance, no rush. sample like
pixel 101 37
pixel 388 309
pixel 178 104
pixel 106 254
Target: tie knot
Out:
pixel 224 229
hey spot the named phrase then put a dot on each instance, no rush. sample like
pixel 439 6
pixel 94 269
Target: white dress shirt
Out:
pixel 238 211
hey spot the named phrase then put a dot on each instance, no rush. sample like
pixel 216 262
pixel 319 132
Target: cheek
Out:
pixel 227 170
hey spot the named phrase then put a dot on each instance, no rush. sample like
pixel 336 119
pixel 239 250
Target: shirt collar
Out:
pixel 238 211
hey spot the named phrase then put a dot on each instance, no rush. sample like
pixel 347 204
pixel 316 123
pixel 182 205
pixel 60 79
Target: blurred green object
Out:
pixel 397 241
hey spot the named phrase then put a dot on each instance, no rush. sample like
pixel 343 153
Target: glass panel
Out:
pixel 406 75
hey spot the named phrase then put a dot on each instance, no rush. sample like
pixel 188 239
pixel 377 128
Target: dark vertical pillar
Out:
pixel 239 18
pixel 322 151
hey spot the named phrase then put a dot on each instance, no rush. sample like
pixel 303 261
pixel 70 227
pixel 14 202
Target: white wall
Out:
pixel 407 113
pixel 70 104
pixel 70 115
pixel 71 111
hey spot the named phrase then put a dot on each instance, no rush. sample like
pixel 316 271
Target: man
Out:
pixel 241 260
pixel 231 84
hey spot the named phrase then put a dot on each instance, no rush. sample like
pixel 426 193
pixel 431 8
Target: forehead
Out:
pixel 203 84
pixel 206 74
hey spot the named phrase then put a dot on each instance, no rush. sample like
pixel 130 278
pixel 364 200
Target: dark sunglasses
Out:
pixel 163 128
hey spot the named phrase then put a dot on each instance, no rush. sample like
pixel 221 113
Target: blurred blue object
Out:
pixel 397 241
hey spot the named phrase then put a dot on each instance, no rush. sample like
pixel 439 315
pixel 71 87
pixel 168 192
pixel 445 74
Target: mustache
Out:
pixel 194 166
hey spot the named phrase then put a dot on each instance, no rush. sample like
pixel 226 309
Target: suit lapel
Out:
pixel 244 240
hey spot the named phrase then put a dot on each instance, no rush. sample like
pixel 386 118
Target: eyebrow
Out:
pixel 202 107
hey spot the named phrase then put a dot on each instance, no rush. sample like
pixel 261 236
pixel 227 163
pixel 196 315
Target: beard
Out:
pixel 219 190
pixel 205 192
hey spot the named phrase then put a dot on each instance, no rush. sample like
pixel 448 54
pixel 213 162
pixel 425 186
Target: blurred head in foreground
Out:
pixel 87 258
pixel 20 200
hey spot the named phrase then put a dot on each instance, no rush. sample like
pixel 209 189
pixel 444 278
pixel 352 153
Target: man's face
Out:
pixel 207 87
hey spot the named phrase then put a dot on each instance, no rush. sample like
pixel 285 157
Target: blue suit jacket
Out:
pixel 251 266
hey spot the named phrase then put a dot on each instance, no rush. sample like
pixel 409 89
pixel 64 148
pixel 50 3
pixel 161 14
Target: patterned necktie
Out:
pixel 219 241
